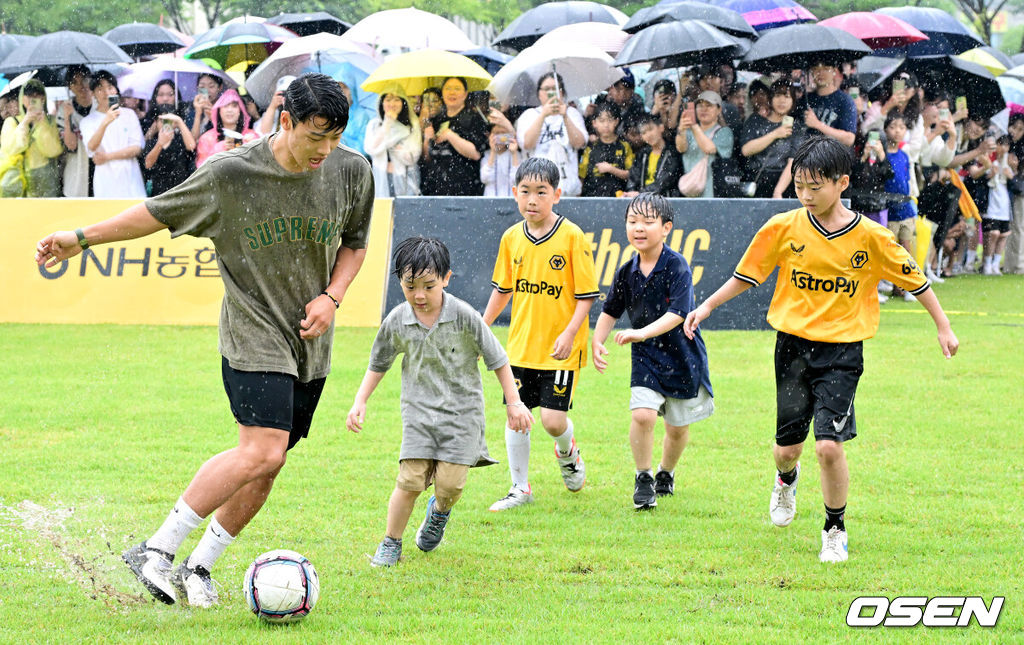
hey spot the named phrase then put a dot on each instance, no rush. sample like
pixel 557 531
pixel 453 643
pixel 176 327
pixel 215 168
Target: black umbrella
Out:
pixel 950 74
pixel 61 49
pixel 800 47
pixel 531 25
pixel 947 36
pixel 679 44
pixel 729 21
pixel 9 42
pixel 490 59
pixel 307 24
pixel 140 39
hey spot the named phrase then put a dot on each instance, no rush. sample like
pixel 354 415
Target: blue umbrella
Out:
pixel 490 59
pixel 947 36
pixel 1013 89
pixel 364 104
pixel 767 14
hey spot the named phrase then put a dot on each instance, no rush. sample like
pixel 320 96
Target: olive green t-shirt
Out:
pixel 277 235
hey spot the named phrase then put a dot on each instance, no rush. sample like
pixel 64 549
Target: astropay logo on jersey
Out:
pixel 909 611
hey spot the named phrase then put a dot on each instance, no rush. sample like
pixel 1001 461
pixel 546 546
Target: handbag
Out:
pixel 694 181
pixel 13 179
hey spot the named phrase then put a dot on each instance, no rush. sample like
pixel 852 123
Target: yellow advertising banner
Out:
pixel 150 281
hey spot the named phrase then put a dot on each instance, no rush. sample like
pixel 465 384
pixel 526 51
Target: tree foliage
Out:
pixel 35 18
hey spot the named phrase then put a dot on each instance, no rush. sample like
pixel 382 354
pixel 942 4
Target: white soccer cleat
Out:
pixel 514 498
pixel 574 472
pixel 194 585
pixel 833 545
pixel 153 569
pixel 782 507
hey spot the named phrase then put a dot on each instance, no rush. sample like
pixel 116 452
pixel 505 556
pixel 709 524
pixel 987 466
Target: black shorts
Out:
pixel 272 400
pixel 550 389
pixel 815 380
pixel 994 225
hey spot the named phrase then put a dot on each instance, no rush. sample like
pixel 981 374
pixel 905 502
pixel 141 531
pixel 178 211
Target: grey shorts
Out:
pixel 677 412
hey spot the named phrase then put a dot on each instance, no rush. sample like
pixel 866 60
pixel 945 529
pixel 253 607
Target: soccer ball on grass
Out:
pixel 281 586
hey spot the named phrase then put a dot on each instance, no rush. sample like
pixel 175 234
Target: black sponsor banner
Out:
pixel 711 233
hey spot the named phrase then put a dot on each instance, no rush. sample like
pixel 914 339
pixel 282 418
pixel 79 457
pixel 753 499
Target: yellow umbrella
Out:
pixel 983 58
pixel 415 71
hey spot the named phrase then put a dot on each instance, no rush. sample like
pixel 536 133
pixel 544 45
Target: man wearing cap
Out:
pixel 630 105
pixel 829 110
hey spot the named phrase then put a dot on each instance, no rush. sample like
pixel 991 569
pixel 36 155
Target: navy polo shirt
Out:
pixel 670 363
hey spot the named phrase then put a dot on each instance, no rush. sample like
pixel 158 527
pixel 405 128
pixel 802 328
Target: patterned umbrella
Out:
pixel 233 43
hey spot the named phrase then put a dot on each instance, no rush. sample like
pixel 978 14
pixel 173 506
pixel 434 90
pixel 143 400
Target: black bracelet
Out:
pixel 333 299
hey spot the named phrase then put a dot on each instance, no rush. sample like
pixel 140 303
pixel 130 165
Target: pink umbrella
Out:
pixel 603 35
pixel 877 30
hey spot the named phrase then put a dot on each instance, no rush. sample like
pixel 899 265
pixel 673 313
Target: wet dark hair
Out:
pixel 403 114
pixel 156 89
pixel 317 95
pixel 99 77
pixel 650 203
pixel 538 168
pixel 418 255
pixel 609 107
pixel 823 158
pixel 76 70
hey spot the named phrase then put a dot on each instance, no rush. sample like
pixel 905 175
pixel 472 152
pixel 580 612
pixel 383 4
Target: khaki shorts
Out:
pixel 416 475
pixel 905 230
pixel 677 412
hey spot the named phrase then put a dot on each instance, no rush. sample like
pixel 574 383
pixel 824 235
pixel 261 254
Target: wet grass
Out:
pixel 101 427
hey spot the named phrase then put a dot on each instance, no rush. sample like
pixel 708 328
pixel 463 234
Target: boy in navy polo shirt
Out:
pixel 670 372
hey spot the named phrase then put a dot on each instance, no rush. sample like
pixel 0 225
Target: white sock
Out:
pixel 648 471
pixel 517 446
pixel 997 260
pixel 211 546
pixel 564 440
pixel 972 257
pixel 670 472
pixel 179 523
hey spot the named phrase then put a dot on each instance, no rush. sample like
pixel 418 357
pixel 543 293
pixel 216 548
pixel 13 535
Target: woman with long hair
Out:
pixel 169 156
pixel 394 143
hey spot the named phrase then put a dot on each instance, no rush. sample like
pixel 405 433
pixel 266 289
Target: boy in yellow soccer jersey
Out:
pixel 545 267
pixel 830 260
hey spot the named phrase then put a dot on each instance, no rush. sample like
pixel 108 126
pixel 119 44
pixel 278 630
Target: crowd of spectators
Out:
pixel 917 150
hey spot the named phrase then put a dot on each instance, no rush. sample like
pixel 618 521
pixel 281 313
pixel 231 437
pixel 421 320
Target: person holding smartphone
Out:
pixel 769 143
pixel 29 146
pixel 453 143
pixel 200 116
pixel 114 140
pixel 169 156
pixel 554 131
pixel 229 113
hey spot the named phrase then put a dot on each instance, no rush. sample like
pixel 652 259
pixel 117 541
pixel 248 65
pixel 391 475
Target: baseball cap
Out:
pixel 627 78
pixel 710 97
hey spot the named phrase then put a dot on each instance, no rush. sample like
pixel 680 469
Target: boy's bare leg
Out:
pixel 641 437
pixel 835 475
pixel 399 509
pixel 786 457
pixel 555 422
pixel 676 438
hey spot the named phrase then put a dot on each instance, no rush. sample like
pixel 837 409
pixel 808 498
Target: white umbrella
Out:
pixel 409 30
pixel 294 57
pixel 605 36
pixel 585 69
pixel 142 78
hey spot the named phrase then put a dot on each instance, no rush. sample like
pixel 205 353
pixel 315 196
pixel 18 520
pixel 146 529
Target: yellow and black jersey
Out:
pixel 826 288
pixel 546 276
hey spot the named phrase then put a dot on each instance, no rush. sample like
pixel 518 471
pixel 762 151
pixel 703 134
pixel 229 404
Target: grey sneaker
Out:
pixel 153 569
pixel 431 532
pixel 388 553
pixel 664 483
pixel 574 472
pixel 643 494
pixel 194 585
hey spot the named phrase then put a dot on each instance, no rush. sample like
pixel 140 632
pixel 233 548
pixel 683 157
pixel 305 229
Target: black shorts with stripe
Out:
pixel 815 381
pixel 272 400
pixel 550 389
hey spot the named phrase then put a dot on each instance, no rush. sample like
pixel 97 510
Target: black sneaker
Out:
pixel 643 494
pixel 664 483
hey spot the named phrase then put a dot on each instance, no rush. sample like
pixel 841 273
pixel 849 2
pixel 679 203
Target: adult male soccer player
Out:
pixel 289 216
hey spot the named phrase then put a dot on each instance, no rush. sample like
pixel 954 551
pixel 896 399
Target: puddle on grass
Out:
pixel 76 559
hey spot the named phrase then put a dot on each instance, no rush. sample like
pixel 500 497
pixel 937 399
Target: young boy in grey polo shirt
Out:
pixel 442 393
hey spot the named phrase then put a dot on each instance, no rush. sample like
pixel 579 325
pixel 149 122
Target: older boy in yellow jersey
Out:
pixel 545 267
pixel 830 260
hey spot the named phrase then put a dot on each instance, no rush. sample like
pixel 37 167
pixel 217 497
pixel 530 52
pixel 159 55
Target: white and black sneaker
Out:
pixel 644 496
pixel 194 585
pixel 153 569
pixel 782 507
